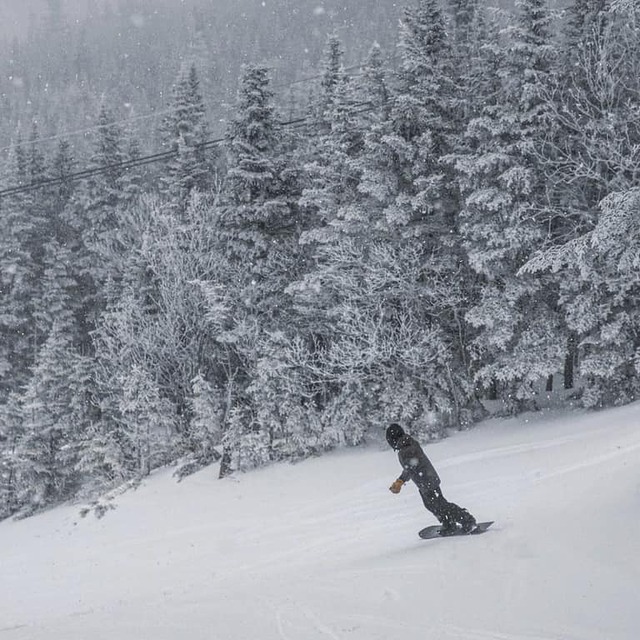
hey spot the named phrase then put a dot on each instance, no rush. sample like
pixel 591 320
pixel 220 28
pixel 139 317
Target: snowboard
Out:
pixel 434 531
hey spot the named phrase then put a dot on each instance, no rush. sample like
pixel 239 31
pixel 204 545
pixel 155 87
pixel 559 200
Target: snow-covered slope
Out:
pixel 322 551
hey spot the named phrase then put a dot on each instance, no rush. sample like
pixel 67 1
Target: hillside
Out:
pixel 322 550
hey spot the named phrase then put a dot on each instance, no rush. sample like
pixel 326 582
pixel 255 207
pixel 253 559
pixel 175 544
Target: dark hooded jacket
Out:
pixel 415 464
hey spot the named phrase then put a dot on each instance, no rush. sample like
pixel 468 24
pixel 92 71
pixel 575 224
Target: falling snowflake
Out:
pixel 137 20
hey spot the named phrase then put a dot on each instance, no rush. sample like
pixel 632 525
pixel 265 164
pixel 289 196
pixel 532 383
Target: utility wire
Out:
pixel 87 173
pixel 153 114
pixel 297 123
pixel 79 132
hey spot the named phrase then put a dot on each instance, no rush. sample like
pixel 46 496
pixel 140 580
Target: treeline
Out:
pixel 458 229
pixel 131 50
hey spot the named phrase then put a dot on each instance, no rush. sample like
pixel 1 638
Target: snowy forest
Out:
pixel 263 271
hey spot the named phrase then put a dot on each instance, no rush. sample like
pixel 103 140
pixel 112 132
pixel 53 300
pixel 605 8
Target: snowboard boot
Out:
pixel 448 529
pixel 467 523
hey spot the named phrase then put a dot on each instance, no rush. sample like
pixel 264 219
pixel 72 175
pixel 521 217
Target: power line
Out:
pixel 315 77
pixel 78 132
pixel 144 160
pixel 151 115
pixel 87 173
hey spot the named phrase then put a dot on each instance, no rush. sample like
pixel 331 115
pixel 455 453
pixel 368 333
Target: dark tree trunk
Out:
pixel 225 464
pixel 570 362
pixel 493 390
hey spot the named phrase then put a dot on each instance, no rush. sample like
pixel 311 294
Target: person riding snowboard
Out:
pixel 417 467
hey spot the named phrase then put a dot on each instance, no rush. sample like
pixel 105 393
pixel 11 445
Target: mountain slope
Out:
pixel 322 550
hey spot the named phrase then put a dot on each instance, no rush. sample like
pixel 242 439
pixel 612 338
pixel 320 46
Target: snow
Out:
pixel 322 550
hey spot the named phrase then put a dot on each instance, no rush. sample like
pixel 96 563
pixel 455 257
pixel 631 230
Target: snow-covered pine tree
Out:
pixel 94 222
pixel 468 24
pixel 334 216
pixel 371 87
pixel 16 355
pixel 137 422
pixel 134 182
pixel 601 305
pixel 11 434
pixel 104 459
pixel 258 225
pixel 412 196
pixel 146 422
pixel 206 430
pixel 318 119
pixel 95 214
pixel 330 179
pixel 592 174
pixel 420 126
pixel 378 289
pixel 62 166
pixel 606 312
pixel 37 206
pixel 518 337
pixel 332 71
pixel 21 265
pixel 61 247
pixel 185 132
pixel 47 452
pixel 258 206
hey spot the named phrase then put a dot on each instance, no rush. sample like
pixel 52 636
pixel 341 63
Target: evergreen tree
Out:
pixel 60 250
pixel 332 70
pixel 146 422
pixel 95 214
pixel 330 201
pixel 502 222
pixel 11 433
pixel 22 264
pixel 412 195
pixel 47 452
pixel 372 91
pixel 15 350
pixel 421 126
pixel 206 428
pixel 329 176
pixel 592 178
pixel 185 132
pixel 381 279
pixel 257 226
pixel 258 215
pixel 475 62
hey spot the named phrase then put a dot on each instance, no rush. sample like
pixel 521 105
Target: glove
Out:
pixel 396 486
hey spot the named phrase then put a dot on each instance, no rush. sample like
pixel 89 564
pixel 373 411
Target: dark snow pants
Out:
pixel 446 512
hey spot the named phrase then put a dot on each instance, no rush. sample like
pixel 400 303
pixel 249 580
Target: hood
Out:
pixel 394 434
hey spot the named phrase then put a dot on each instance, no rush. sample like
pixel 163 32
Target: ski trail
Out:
pixel 322 550
pixel 463 633
pixel 500 452
pixel 525 447
pixel 301 615
pixel 595 461
pixel 280 625
pixel 319 624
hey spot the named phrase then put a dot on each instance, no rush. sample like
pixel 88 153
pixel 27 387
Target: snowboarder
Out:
pixel 417 467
